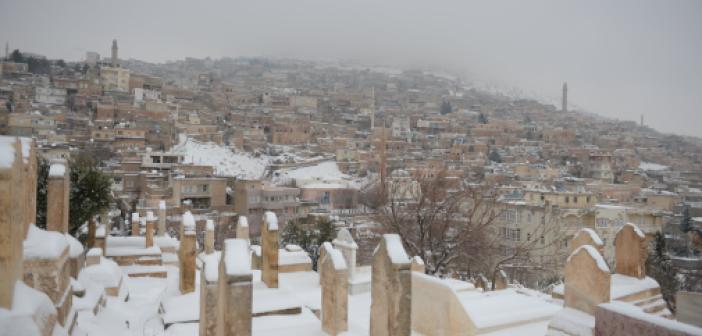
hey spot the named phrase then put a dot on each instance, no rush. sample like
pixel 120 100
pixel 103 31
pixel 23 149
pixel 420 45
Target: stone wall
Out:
pixel 436 309
pixel 620 319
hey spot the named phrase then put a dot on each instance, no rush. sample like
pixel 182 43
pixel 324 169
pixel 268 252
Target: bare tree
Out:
pixel 455 226
pixel 512 243
pixel 436 220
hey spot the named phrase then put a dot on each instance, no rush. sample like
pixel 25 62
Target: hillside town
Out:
pixel 263 196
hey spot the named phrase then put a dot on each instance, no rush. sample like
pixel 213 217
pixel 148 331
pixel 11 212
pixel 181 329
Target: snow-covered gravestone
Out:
pixel 150 226
pixel 242 228
pixel 391 289
pixel 57 196
pixel 345 243
pixel 209 236
pixel 236 283
pixel 322 253
pixel 12 188
pixel 418 265
pixel 481 282
pixel 161 218
pixel 187 254
pixel 335 286
pixel 209 295
pixel 269 250
pixel 501 280
pixel 587 279
pixel 105 219
pixel 630 252
pixel 587 236
pixel 135 224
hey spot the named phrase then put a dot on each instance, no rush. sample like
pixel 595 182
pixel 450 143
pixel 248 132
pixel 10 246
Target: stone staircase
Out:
pixel 654 305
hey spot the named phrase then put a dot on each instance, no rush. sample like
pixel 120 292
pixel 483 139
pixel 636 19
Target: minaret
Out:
pixel 642 124
pixel 372 116
pixel 7 51
pixel 564 103
pixel 114 53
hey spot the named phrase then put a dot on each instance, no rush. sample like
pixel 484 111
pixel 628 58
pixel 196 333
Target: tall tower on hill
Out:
pixel 564 101
pixel 114 53
pixel 372 109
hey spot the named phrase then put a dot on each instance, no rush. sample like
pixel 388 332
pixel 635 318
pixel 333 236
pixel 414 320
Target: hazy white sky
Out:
pixel 621 59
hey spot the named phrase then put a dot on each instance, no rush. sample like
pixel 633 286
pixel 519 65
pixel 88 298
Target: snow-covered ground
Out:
pixel 225 161
pixel 323 175
pixel 651 166
pixel 325 170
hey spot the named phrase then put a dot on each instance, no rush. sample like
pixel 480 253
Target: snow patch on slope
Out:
pixel 225 161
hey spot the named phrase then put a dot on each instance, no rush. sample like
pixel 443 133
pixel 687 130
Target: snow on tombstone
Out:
pixel 587 279
pixel 161 218
pixel 236 278
pixel 501 281
pixel 418 264
pixel 242 228
pixel 57 196
pixel 391 288
pixel 587 236
pixel 630 251
pixel 269 250
pixel 345 243
pixel 187 254
pixel 334 281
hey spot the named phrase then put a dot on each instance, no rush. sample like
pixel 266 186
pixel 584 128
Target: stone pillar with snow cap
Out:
pixel 391 289
pixel 135 224
pixel 209 295
pixel 161 218
pixel 335 286
pixel 209 237
pixel 57 197
pixel 630 251
pixel 150 223
pixel 587 279
pixel 236 283
pixel 345 243
pixel 93 256
pixel 269 250
pixel 587 236
pixel 13 189
pixel 242 228
pixel 92 226
pixel 186 254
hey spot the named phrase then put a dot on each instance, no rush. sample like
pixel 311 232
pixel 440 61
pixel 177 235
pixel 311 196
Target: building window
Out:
pixel 511 234
pixel 543 240
pixel 602 223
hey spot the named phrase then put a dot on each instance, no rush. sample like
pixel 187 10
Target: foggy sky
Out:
pixel 621 59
